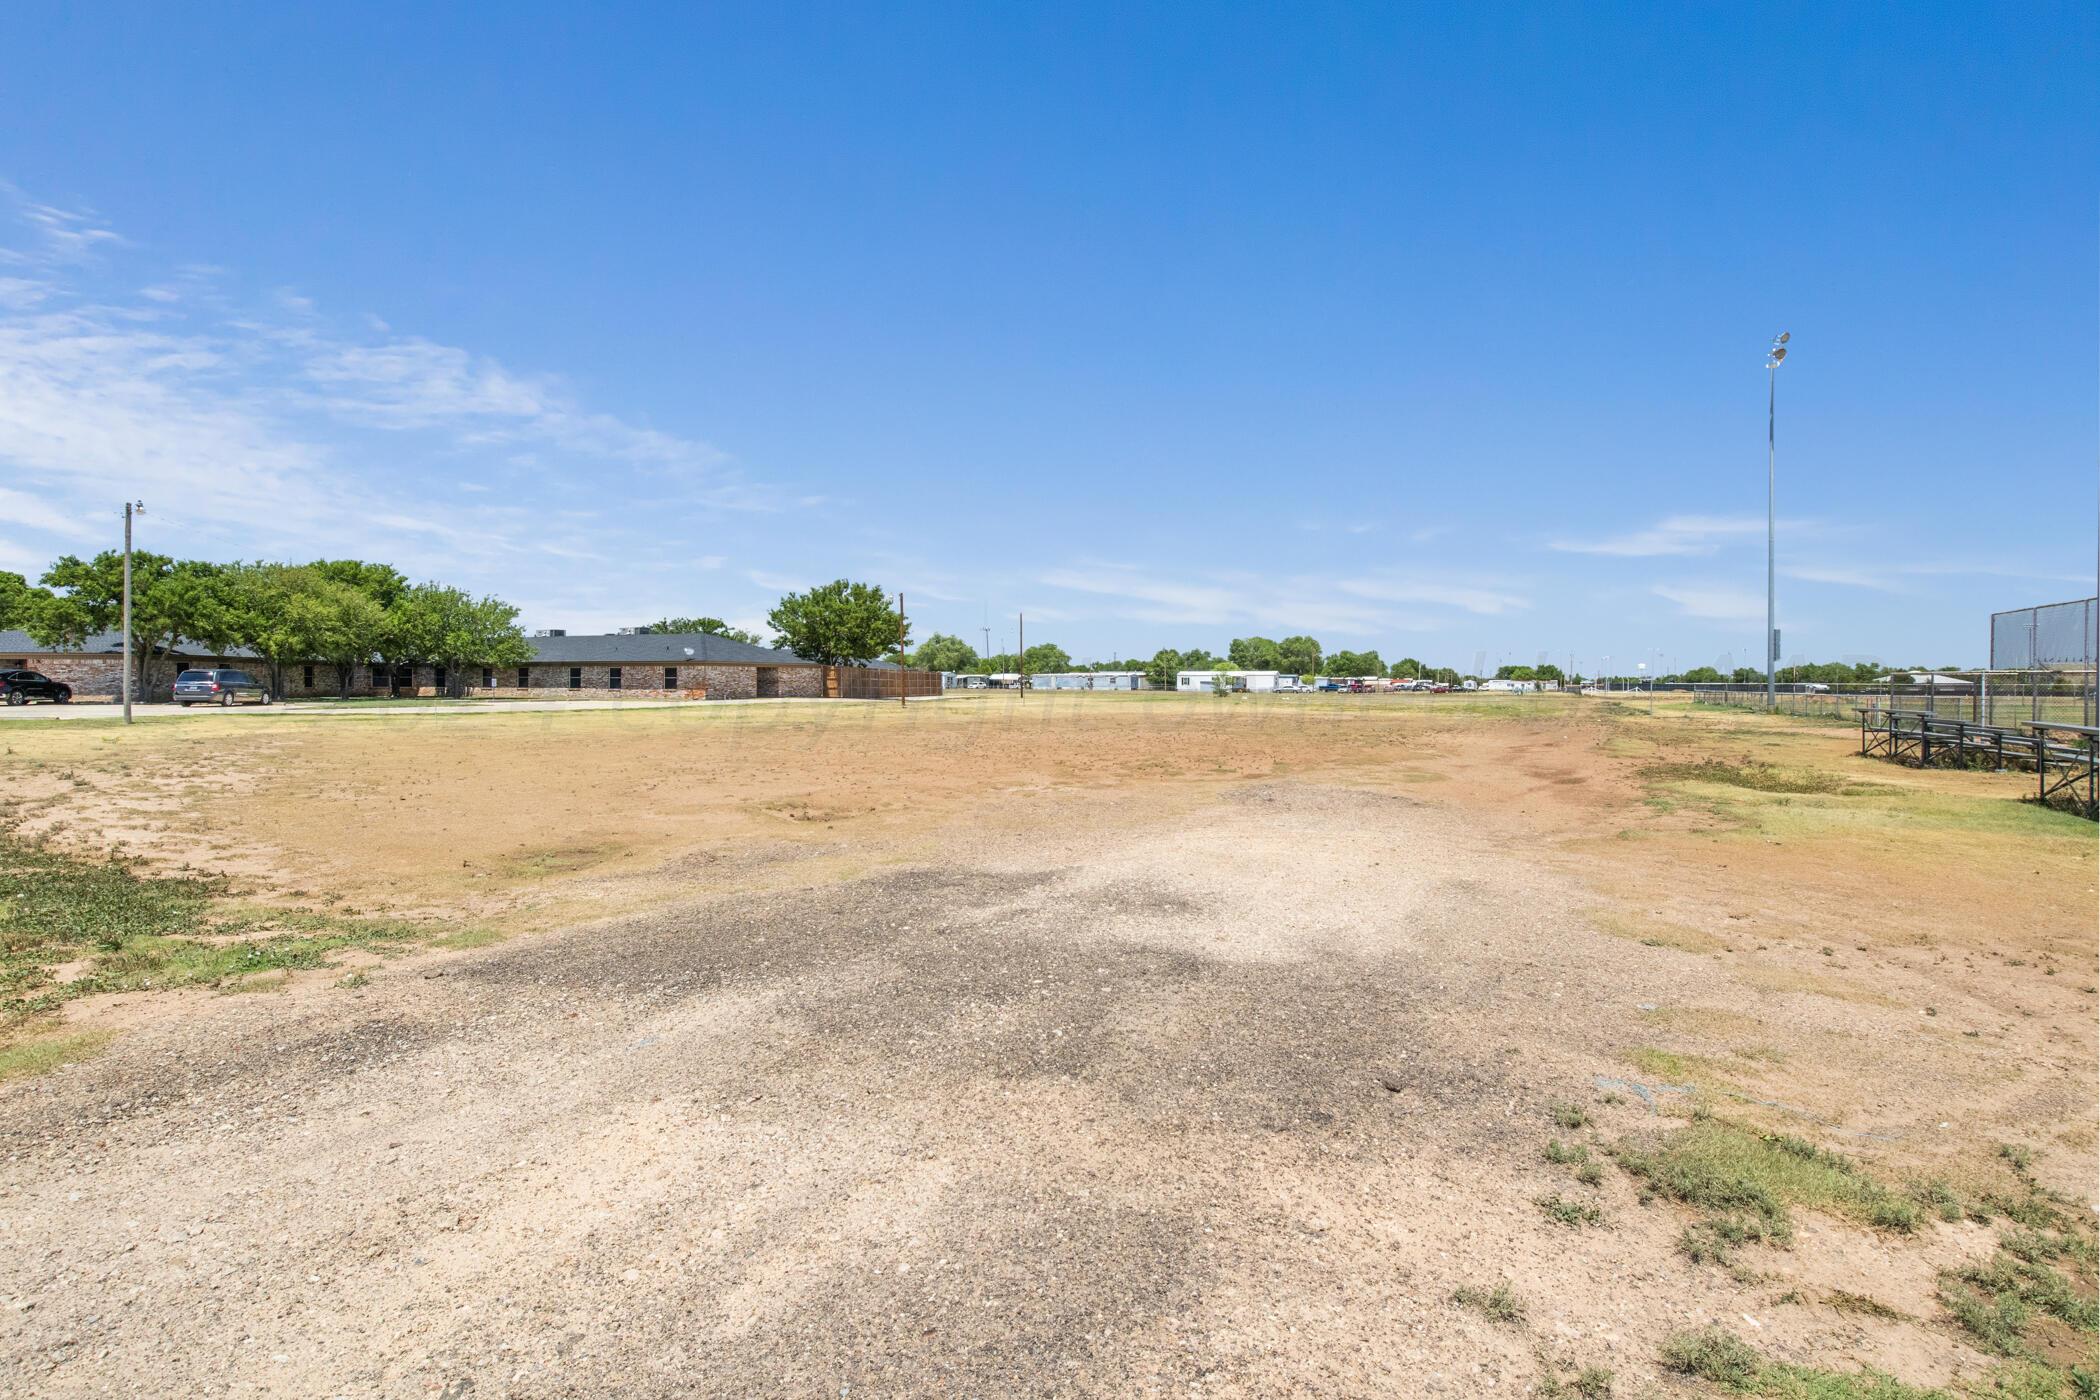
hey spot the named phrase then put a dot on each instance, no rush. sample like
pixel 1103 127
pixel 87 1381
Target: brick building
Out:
pixel 652 665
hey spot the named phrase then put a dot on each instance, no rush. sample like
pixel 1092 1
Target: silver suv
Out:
pixel 218 688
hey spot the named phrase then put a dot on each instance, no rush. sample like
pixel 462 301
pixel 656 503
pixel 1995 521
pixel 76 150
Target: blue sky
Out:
pixel 1438 330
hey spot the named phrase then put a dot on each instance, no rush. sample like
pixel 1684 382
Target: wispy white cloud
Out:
pixel 1680 534
pixel 1844 576
pixel 1714 602
pixel 1350 608
pixel 1390 589
pixel 260 425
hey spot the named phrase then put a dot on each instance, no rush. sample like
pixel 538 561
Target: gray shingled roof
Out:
pixel 98 644
pixel 655 648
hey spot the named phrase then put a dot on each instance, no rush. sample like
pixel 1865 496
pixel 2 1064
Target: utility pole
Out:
pixel 900 647
pixel 1021 652
pixel 130 508
pixel 1773 360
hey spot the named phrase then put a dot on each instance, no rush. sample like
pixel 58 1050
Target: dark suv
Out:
pixel 218 688
pixel 21 687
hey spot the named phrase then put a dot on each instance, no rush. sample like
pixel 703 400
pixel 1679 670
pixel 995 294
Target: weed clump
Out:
pixel 1746 1182
pixel 1573 1214
pixel 1498 1304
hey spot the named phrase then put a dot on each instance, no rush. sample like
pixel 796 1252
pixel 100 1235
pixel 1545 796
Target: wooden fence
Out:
pixel 873 683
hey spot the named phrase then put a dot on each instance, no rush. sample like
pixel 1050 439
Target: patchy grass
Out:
pixel 1747 1183
pixel 34 1057
pixel 1725 1361
pixel 1573 1214
pixel 51 899
pixel 1497 1304
pixel 1570 1116
pixel 116 928
pixel 1757 776
pixel 1591 1383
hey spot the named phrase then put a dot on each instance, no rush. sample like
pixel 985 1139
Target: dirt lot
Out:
pixel 1077 1044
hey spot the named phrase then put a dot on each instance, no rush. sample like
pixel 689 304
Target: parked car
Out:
pixel 218 688
pixel 21 687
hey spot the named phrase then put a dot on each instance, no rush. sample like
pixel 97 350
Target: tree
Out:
pixel 1516 673
pixel 382 583
pixel 347 626
pixel 1255 654
pixel 1159 672
pixel 1407 668
pixel 170 601
pixel 1355 663
pixel 1298 655
pixel 452 628
pixel 258 609
pixel 17 600
pixel 838 624
pixel 1550 672
pixel 1047 657
pixel 1699 674
pixel 710 626
pixel 941 652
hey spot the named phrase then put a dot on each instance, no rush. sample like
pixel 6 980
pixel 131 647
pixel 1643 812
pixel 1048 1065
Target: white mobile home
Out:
pixel 1232 680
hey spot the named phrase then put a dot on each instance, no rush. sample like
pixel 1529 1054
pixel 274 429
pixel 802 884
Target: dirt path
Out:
pixel 1090 1089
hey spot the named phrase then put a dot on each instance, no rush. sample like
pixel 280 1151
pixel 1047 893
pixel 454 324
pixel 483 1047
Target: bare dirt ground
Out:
pixel 1094 1045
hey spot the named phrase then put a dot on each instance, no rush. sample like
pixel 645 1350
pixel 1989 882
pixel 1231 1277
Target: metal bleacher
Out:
pixel 2062 755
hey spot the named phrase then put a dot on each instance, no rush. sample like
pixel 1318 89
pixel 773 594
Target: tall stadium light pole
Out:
pixel 130 508
pixel 1773 360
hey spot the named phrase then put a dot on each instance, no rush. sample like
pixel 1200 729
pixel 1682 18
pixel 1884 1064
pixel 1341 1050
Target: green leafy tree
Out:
pixel 1298 655
pixel 710 626
pixel 1407 668
pixel 347 626
pixel 1701 674
pixel 170 601
pixel 1199 660
pixel 840 623
pixel 258 610
pixel 17 600
pixel 941 652
pixel 452 628
pixel 1355 663
pixel 1516 673
pixel 1159 671
pixel 382 583
pixel 1046 657
pixel 1255 654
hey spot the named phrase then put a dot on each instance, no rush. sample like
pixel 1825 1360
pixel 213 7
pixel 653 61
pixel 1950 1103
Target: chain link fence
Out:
pixel 2008 697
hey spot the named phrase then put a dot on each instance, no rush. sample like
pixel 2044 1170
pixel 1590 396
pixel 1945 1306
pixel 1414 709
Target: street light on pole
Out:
pixel 1773 360
pixel 131 508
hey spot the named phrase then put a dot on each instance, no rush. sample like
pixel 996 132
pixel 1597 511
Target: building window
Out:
pixel 488 678
pixel 524 678
pixel 378 677
pixel 670 678
pixel 437 678
pixel 576 678
pixel 309 673
pixel 612 678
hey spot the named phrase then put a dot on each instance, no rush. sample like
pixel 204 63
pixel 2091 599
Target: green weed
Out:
pixel 1499 1304
pixel 1573 1214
